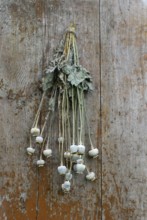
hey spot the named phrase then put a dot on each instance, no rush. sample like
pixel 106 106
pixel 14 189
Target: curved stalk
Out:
pixel 63 118
pixel 49 130
pixel 68 120
pixel 30 141
pixel 89 134
pixel 59 109
pixel 42 146
pixel 38 112
pixel 73 116
pixel 80 111
pixel 76 62
pixel 65 122
pixel 48 114
pixel 87 170
pixel 76 49
pixel 78 125
pixel 45 122
pixel 70 168
pixel 66 51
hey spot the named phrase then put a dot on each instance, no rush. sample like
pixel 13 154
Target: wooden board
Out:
pixel 112 39
pixel 124 109
pixel 30 30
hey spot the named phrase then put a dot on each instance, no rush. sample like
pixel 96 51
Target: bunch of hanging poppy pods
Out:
pixel 65 86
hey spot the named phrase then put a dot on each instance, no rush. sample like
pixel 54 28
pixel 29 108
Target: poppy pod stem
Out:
pixel 47 143
pixel 43 144
pixel 70 165
pixel 45 122
pixel 87 170
pixel 81 112
pixel 30 140
pixel 63 121
pixel 73 42
pixel 89 133
pixel 83 115
pixel 92 147
pixel 38 111
pixel 68 121
pixel 73 116
pixel 59 110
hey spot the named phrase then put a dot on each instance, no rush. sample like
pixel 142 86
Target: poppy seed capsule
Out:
pixel 90 176
pixel 47 153
pixel 75 157
pixel 67 155
pixel 79 168
pixel 62 170
pixel 66 186
pixel 35 131
pixel 40 163
pixel 73 149
pixel 94 152
pixel 30 150
pixel 81 149
pixel 68 176
pixel 39 139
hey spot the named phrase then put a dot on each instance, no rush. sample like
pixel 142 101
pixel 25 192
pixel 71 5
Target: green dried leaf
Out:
pixel 78 76
pixel 90 86
pixel 67 69
pixel 48 80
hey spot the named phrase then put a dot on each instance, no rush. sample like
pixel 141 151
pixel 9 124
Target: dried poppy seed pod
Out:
pixel 62 170
pixel 47 153
pixel 30 150
pixel 73 149
pixel 75 157
pixel 66 186
pixel 39 139
pixel 68 176
pixel 40 163
pixel 80 167
pixel 90 176
pixel 35 131
pixel 93 152
pixel 81 149
pixel 67 155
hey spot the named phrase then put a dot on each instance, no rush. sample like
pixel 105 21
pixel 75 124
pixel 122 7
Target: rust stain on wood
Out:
pixel 39 7
pixel 107 212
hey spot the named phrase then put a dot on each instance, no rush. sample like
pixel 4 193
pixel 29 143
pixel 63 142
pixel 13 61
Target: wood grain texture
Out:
pixel 30 30
pixel 124 107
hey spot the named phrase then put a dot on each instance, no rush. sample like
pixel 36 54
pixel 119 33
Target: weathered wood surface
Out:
pixel 29 32
pixel 124 109
pixel 114 49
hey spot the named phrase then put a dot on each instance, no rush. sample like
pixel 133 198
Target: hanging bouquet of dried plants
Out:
pixel 67 82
